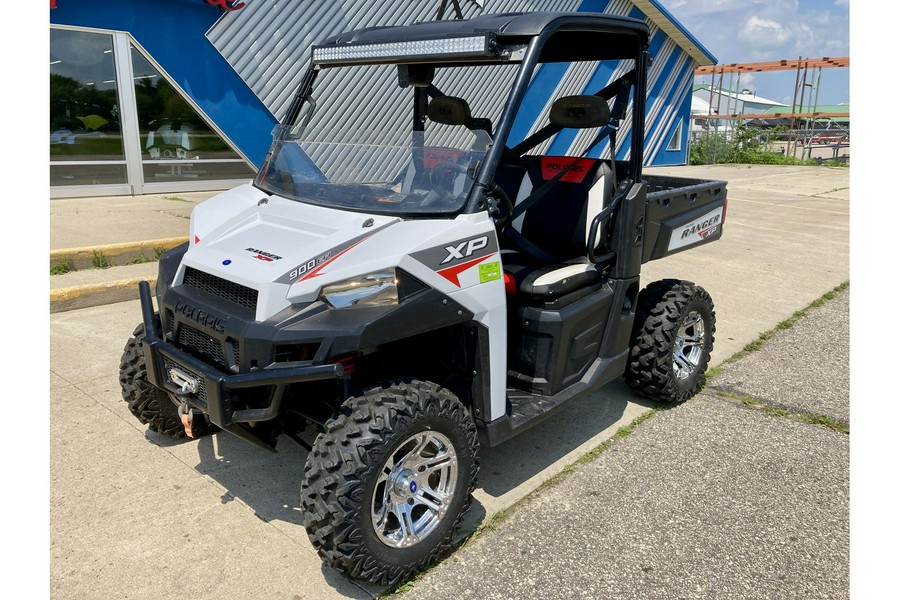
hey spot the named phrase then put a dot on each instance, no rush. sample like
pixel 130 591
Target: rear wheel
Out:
pixel 671 341
pixel 389 480
pixel 152 406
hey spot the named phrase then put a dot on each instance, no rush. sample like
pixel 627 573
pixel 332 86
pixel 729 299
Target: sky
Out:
pixel 743 31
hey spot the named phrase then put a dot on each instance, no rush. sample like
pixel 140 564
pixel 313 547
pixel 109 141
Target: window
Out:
pixel 85 132
pixel 675 142
pixel 119 126
pixel 176 143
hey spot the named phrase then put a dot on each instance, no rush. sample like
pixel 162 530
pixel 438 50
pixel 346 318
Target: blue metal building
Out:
pixel 180 95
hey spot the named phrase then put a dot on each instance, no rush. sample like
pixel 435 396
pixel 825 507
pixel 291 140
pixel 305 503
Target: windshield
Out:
pixel 375 171
pixel 366 144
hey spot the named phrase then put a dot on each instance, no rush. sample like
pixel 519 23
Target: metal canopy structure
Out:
pixel 774 65
pixel 768 115
pixel 801 65
pixel 799 112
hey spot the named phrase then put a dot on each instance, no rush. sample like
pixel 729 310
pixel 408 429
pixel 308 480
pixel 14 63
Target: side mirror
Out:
pixel 579 112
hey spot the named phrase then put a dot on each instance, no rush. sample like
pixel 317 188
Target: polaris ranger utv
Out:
pixel 416 270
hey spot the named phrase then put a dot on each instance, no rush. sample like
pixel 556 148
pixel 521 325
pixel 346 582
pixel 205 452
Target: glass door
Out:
pixel 86 146
pixel 178 147
pixel 118 126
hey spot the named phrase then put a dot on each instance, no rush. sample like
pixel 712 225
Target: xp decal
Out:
pixel 465 249
pixel 450 260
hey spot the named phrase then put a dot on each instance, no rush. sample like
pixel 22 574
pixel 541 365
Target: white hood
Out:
pixel 260 241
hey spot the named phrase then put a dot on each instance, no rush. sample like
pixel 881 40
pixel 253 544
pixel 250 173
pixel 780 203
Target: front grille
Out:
pixel 236 346
pixel 227 290
pixel 202 343
pixel 201 383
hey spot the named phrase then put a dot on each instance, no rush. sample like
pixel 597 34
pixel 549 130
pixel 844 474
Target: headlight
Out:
pixel 372 289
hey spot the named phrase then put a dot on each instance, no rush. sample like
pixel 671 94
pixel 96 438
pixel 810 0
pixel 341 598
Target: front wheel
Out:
pixel 152 406
pixel 389 480
pixel 671 341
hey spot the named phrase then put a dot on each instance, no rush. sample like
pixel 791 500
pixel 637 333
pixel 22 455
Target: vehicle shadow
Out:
pixel 269 483
pixel 509 465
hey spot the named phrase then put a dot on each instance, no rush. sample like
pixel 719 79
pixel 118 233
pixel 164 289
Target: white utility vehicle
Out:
pixel 406 282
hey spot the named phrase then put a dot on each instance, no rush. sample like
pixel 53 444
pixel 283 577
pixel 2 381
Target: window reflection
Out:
pixel 84 103
pixel 87 118
pixel 176 143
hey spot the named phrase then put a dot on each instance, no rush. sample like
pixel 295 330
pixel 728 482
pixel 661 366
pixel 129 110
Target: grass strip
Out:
pixel 778 411
pixel 759 342
pixel 494 521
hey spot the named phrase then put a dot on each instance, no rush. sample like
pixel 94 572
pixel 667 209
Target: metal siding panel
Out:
pixel 659 95
pixel 669 109
pixel 268 46
pixel 623 138
pixel 659 45
pixel 667 102
pixel 663 47
pixel 682 84
pixel 573 81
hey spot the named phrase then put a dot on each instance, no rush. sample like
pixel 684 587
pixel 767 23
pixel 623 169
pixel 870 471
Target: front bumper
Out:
pixel 208 390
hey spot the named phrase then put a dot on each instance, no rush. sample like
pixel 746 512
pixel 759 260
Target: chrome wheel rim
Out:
pixel 414 489
pixel 688 345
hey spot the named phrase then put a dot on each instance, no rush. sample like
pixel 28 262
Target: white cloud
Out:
pixel 761 30
pixel 692 8
pixel 742 31
pixel 764 33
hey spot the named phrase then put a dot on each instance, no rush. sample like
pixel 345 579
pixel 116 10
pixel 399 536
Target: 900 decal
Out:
pixel 309 266
pixel 314 266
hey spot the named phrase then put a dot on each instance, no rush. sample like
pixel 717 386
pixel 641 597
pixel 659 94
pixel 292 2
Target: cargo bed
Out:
pixel 681 213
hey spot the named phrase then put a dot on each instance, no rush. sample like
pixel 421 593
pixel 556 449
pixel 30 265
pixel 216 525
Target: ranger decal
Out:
pixel 263 255
pixel 697 230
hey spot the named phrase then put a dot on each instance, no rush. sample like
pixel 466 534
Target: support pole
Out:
pixel 792 147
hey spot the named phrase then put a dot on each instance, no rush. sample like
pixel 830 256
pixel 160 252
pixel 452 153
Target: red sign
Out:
pixel 574 173
pixel 52 3
pixel 227 4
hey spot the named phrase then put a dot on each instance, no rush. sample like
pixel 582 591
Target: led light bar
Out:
pixel 416 50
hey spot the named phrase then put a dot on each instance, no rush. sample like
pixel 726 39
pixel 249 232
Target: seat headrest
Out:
pixel 449 110
pixel 579 112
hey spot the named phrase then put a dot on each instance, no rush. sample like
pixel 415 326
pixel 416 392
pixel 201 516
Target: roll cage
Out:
pixel 529 39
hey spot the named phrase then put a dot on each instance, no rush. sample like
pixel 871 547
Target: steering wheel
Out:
pixel 442 169
pixel 496 190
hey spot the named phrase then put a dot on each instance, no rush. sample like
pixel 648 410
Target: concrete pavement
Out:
pixel 126 232
pixel 720 497
pixel 133 514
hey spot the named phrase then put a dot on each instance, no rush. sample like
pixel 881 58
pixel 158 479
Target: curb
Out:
pixel 83 258
pixel 96 294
